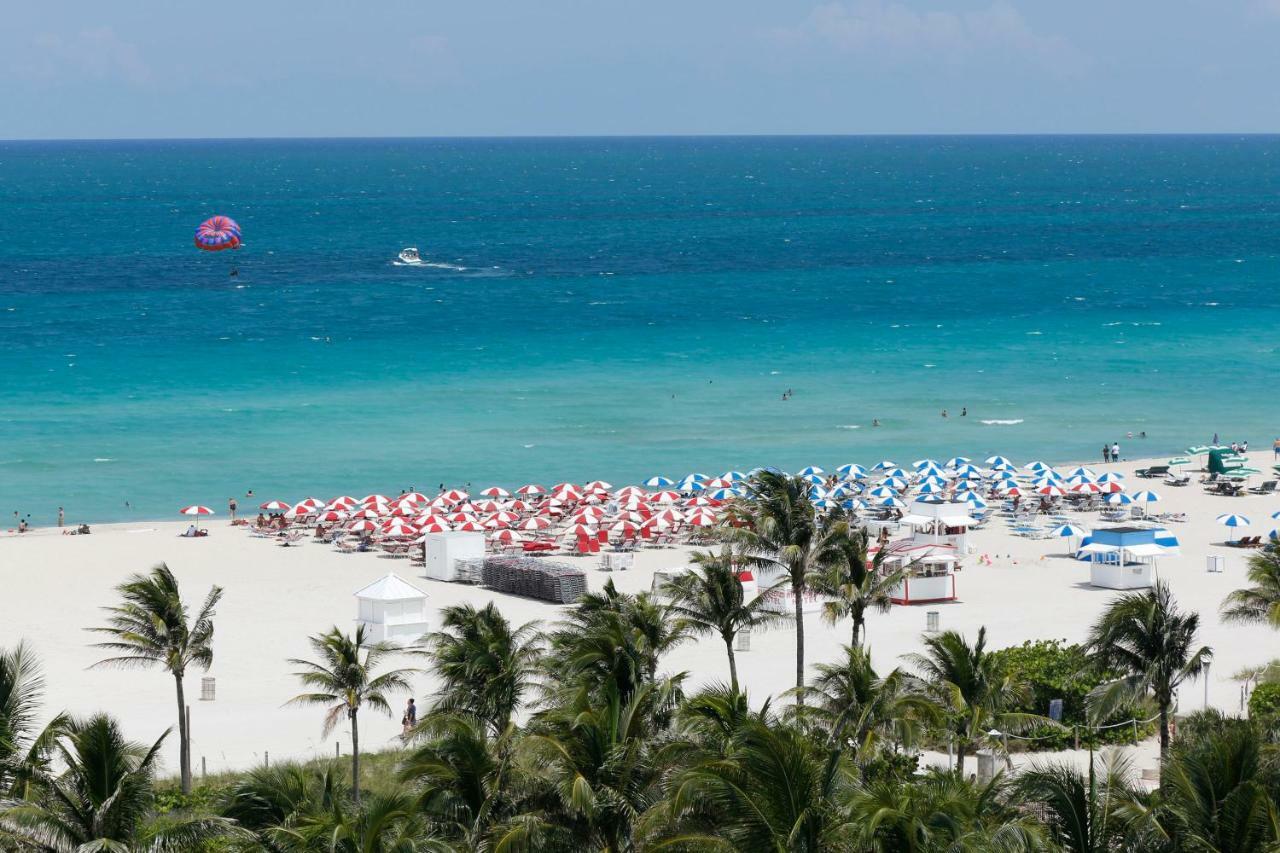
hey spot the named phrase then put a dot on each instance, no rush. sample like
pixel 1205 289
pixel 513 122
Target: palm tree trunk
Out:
pixel 184 744
pixel 355 758
pixel 960 758
pixel 797 591
pixel 1164 729
pixel 733 663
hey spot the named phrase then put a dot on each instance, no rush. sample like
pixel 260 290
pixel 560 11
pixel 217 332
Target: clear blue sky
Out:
pixel 155 68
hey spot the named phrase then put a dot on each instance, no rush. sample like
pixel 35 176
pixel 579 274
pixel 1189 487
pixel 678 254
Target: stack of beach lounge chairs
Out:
pixel 468 570
pixel 533 578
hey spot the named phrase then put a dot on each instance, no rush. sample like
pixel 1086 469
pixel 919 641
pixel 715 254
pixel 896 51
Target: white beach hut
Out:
pixel 392 610
pixel 443 550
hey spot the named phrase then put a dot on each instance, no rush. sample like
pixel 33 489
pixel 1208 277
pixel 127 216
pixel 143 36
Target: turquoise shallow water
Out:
pixel 618 308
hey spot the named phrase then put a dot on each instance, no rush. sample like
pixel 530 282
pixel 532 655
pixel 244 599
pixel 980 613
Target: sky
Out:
pixel 159 69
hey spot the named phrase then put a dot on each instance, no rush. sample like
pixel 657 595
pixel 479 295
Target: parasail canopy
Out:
pixel 217 233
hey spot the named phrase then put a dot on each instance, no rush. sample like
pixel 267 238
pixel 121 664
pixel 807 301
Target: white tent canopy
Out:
pixel 392 610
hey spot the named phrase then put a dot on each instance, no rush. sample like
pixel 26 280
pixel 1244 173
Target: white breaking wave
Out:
pixel 999 422
pixel 850 426
pixel 103 459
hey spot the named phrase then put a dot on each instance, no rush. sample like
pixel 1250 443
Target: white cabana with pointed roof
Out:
pixel 392 610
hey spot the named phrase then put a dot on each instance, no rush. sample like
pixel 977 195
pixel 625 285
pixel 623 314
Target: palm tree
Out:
pixel 785 533
pixel 345 681
pixel 1216 793
pixel 854 588
pixel 387 823
pixel 966 681
pixel 710 600
pixel 101 800
pixel 151 629
pixel 1259 603
pixel 612 638
pixel 940 812
pixel 24 752
pixel 856 706
pixel 1147 638
pixel 485 667
pixel 775 789
pixel 268 798
pixel 1082 815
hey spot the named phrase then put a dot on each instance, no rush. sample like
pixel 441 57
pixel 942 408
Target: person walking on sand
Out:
pixel 61 517
pixel 1115 451
pixel 1106 453
pixel 231 507
pixel 1275 448
pixel 410 718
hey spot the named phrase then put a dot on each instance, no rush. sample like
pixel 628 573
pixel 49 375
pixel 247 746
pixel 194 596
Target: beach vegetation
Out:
pixel 345 680
pixel 1152 643
pixel 151 628
pixel 1258 603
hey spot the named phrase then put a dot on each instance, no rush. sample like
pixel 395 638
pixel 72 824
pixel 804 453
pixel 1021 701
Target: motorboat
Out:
pixel 410 257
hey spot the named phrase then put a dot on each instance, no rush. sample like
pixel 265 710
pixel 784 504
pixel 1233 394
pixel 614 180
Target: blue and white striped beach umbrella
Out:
pixel 1037 466
pixel 1081 471
pixel 1079 479
pixel 852 470
pixel 884 465
pixel 964 486
pixel 811 478
pixel 975 500
pixel 893 502
pixel 1275 515
pixel 1119 499
pixel 926 463
pixel 933 480
pixel 1233 520
pixel 733 476
pixel 1146 496
pixel 881 492
pixel 1069 530
pixel 1111 477
pixel 692 482
pixel 817 492
pixel 931 489
pixel 723 494
pixel 894 472
pixel 659 482
pixel 854 504
pixel 812 469
pixel 998 462
pixel 957 461
pixel 826 503
pixel 895 483
pixel 967 470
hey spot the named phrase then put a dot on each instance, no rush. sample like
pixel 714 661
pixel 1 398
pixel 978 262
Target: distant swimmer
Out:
pixel 944 413
pixel 875 422
pixel 964 412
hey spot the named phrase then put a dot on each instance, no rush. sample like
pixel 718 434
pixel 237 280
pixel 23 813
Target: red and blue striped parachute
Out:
pixel 217 233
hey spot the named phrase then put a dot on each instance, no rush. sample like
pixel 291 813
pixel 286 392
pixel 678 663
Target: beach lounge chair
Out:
pixel 1153 471
pixel 1266 488
pixel 1172 479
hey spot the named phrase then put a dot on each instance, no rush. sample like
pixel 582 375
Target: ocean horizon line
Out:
pixel 497 137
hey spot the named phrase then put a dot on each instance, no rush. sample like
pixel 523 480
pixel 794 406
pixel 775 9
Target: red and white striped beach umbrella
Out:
pixel 505 517
pixel 1112 487
pixel 366 513
pixel 343 502
pixel 374 499
pixel 488 506
pixel 671 515
pixel 718 483
pixel 531 489
pixel 628 491
pixel 631 515
pixel 702 518
pixel 332 515
pixel 506 537
pixel 699 501
pixel 1010 491
pixel 598 486
pixel 455 496
pixel 535 523
pixel 274 506
pixel 363 525
pixel 397 529
pixel 195 509
pixel 416 497
pixel 301 511
pixel 435 524
pixel 495 492
pixel 404 510
pixel 664 497
pixel 1050 490
pixel 518 506
pixel 470 527
pixel 591 513
pixel 626 528
pixel 313 503
pixel 567 492
pixel 459 517
pixel 1086 488
pixel 581 530
pixel 440 502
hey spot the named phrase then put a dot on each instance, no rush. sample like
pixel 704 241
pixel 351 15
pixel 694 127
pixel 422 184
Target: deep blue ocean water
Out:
pixel 617 308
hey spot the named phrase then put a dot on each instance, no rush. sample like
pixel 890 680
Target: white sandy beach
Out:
pixel 276 597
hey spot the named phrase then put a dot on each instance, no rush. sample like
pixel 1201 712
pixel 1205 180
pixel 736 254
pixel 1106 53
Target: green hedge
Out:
pixel 1264 704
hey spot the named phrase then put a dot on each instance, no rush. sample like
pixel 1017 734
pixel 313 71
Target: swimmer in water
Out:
pixel 875 422
pixel 944 413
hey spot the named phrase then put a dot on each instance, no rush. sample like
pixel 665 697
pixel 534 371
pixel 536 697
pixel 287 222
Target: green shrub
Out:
pixel 1264 704
pixel 1055 669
